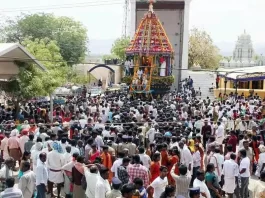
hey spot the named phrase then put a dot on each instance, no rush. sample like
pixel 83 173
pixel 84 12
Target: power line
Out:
pixel 64 6
pixel 56 5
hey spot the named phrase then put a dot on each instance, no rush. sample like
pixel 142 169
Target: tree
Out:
pixel 33 82
pixel 109 57
pixel 71 35
pixel 228 58
pixel 119 46
pixel 202 51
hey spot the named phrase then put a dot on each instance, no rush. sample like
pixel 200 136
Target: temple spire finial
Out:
pixel 151 9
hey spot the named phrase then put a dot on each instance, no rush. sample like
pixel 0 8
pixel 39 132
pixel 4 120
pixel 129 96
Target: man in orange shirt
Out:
pixel 107 160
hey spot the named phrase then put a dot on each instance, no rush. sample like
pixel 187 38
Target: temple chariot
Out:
pixel 151 56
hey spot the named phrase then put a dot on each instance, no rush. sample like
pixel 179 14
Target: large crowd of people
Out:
pixel 115 146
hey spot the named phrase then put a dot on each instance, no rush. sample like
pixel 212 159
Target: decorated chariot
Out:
pixel 151 56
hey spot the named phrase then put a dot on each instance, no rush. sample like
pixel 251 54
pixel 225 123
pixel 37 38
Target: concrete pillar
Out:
pixel 133 17
pixel 185 48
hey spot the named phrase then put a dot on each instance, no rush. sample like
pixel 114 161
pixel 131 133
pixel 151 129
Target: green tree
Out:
pixel 71 35
pixel 119 46
pixel 109 57
pixel 202 51
pixel 33 82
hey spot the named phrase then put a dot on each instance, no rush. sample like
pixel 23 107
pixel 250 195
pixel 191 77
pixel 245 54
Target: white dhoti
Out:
pixel 67 184
pixel 229 185
pixel 220 140
pixel 56 176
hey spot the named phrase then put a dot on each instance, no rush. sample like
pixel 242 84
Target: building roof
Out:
pixel 15 51
pixel 243 74
pixel 11 52
pixel 150 37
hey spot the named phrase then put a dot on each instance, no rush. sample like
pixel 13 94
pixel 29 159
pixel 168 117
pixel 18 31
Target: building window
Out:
pixel 243 85
pixel 258 84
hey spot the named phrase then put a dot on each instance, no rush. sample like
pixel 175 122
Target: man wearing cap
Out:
pixel 194 192
pixel 116 185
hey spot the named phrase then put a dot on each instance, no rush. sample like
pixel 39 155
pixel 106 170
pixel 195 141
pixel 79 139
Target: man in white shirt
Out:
pixel 230 172
pixel 160 183
pixel 102 186
pixel 145 159
pixel 41 176
pixel 11 191
pixel 244 173
pixel 185 156
pixel 196 162
pixel 99 124
pixel 127 65
pixel 97 139
pixel 220 133
pixel 198 182
pixel 117 163
pixel 27 182
pixel 92 177
pixel 55 162
pixel 82 122
pixel 150 134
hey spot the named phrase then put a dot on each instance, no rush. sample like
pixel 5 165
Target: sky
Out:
pixel 224 20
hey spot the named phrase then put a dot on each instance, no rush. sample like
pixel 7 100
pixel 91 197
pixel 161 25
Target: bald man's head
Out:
pixel 94 169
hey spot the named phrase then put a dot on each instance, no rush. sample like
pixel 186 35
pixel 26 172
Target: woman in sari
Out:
pixel 164 155
pixel 255 147
pixel 191 145
pixel 154 167
pixel 25 158
pixel 198 141
pixel 154 170
pixel 93 153
pixel 211 180
pixel 77 175
pixel 173 159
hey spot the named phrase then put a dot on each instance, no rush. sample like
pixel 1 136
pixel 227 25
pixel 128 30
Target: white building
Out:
pixel 243 55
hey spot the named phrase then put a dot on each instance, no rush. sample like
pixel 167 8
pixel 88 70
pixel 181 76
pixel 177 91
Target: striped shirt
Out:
pixel 11 192
pixel 182 183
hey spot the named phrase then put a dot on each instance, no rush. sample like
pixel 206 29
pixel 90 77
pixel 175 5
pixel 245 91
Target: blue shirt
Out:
pixel 143 190
pixel 110 116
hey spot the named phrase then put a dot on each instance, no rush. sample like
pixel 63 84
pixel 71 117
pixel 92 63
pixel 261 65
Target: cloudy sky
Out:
pixel 224 20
